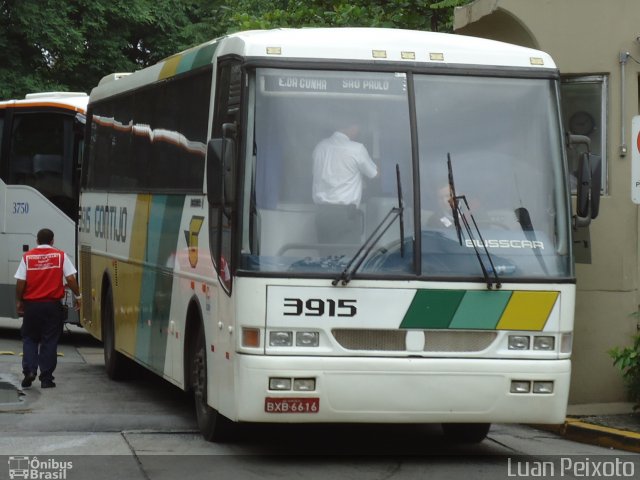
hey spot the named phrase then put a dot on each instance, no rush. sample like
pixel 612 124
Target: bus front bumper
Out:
pixel 400 390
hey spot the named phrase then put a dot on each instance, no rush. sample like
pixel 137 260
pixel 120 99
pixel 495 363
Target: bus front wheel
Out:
pixel 214 426
pixel 465 432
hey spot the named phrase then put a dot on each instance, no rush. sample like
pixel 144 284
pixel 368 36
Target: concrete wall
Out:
pixel 586 37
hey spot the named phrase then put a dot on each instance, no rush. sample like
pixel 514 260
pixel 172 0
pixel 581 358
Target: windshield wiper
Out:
pixel 401 207
pixel 524 219
pixel 363 252
pixel 458 215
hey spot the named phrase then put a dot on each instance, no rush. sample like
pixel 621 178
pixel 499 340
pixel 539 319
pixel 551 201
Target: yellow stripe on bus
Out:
pixel 170 66
pixel 527 311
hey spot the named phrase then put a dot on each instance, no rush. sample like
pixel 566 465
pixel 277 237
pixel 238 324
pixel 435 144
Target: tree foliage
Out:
pixel 434 15
pixel 71 44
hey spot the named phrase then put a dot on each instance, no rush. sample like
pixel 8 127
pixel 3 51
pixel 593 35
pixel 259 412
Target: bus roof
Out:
pixel 375 45
pixel 76 101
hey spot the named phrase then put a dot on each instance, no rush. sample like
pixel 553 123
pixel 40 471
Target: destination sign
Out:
pixel 319 84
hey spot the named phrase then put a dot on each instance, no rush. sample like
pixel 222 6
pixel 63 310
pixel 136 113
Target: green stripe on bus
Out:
pixel 432 309
pixel 204 55
pixel 480 309
pixel 186 62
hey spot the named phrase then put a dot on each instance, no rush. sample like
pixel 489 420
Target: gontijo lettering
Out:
pixel 110 222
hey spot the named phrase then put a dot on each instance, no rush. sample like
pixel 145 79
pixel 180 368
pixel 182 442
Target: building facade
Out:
pixel 596 46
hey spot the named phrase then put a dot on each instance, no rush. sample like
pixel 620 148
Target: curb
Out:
pixel 583 432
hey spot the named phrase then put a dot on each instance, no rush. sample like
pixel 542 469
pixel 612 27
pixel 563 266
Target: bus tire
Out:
pixel 465 432
pixel 115 363
pixel 213 426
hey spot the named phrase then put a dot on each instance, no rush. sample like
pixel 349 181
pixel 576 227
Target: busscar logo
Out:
pixel 38 469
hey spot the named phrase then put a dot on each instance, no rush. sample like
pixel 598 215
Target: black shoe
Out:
pixel 28 379
pixel 47 384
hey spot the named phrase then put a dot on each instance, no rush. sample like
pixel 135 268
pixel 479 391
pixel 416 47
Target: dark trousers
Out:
pixel 41 329
pixel 339 224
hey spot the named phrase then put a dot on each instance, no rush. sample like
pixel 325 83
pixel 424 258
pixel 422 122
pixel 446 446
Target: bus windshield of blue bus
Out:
pixel 331 148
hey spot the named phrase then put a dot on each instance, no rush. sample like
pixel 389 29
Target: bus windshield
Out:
pixel 332 152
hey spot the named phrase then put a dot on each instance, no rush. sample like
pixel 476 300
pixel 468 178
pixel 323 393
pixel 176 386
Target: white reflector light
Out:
pixel 304 384
pixel 520 386
pixel 566 343
pixel 543 387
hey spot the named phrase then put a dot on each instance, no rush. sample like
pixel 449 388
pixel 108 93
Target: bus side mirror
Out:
pixel 588 187
pixel 221 168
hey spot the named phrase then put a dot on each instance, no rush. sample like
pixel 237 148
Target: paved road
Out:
pixel 145 429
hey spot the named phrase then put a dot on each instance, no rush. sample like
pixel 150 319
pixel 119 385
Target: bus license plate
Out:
pixel 291 405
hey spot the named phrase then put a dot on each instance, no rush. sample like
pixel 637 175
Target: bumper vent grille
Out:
pixel 395 340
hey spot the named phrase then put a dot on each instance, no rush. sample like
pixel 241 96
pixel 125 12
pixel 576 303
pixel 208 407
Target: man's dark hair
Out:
pixel 347 119
pixel 45 237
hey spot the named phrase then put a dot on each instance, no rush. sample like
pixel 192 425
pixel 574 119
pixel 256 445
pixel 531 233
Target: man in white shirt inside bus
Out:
pixel 339 164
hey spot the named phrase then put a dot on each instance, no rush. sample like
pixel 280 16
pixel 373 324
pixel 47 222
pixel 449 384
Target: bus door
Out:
pixel 222 158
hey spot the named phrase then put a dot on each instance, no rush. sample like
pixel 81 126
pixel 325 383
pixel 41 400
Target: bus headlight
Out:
pixel 276 383
pixel 520 386
pixel 307 339
pixel 566 343
pixel 544 343
pixel 280 339
pixel 518 342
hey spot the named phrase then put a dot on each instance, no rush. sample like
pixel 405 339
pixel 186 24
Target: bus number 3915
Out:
pixel 316 307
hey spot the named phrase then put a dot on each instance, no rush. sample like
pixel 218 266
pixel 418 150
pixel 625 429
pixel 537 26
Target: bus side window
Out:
pixel 222 216
pixel 41 155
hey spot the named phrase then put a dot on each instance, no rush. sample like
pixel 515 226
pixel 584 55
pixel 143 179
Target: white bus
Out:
pixel 40 150
pixel 201 258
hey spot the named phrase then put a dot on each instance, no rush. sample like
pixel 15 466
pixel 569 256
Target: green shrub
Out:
pixel 627 360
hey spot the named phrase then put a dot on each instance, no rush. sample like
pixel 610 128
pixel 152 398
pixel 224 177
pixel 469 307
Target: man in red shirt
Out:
pixel 39 291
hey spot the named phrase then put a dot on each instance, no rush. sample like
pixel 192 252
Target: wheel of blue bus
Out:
pixel 214 426
pixel 115 363
pixel 465 432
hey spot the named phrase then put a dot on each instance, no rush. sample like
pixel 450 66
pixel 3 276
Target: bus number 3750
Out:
pixel 317 307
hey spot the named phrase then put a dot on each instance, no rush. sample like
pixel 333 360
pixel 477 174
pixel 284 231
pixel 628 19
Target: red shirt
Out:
pixel 44 274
